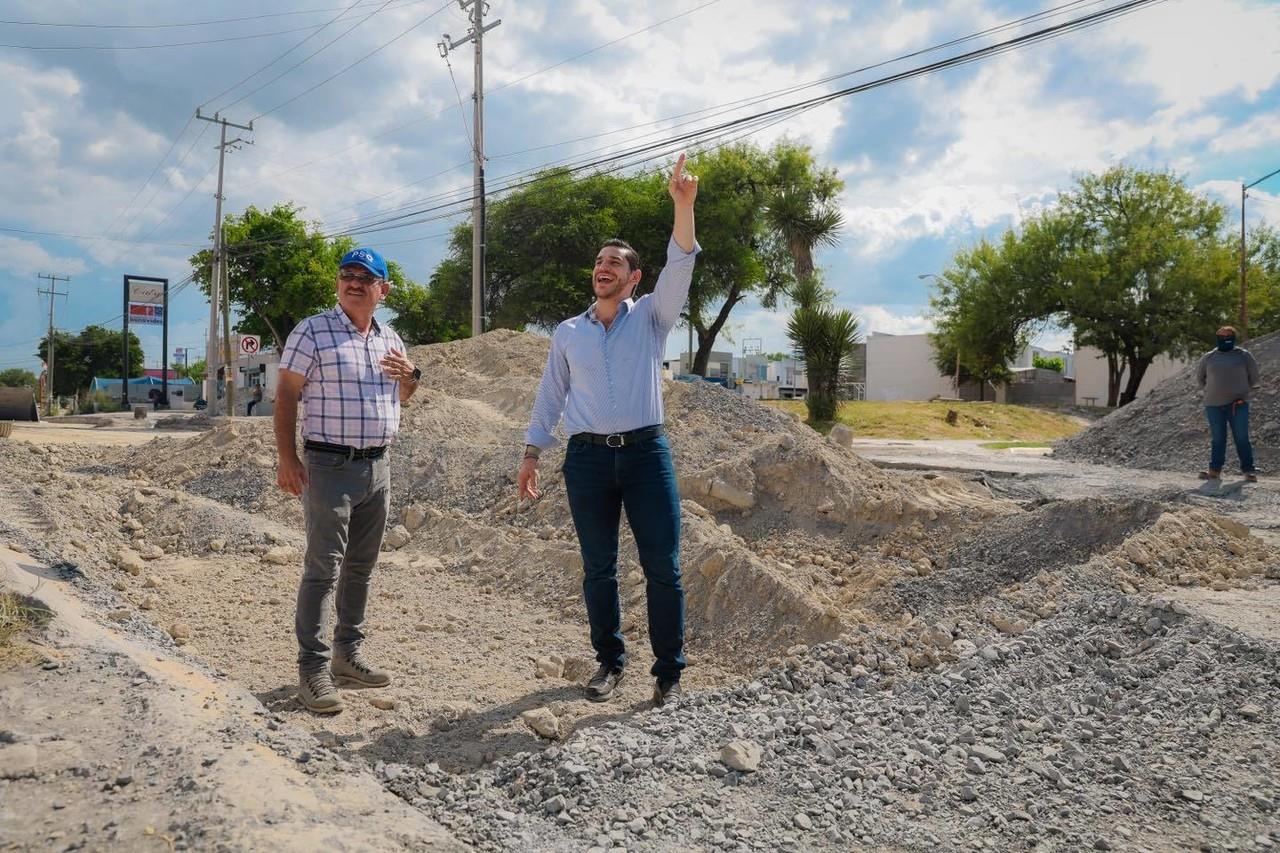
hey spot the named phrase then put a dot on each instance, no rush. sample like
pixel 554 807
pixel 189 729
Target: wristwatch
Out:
pixel 417 374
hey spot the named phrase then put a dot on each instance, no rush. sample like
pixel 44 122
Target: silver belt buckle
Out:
pixel 608 440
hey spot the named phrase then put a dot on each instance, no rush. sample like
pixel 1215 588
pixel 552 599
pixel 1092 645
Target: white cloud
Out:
pixel 1192 51
pixel 1263 131
pixel 883 320
pixel 23 258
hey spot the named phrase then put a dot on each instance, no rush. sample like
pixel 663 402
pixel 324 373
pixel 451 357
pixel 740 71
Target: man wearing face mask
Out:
pixel 1228 375
pixel 351 374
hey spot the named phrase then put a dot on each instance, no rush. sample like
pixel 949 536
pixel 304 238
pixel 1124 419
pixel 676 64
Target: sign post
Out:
pixel 146 300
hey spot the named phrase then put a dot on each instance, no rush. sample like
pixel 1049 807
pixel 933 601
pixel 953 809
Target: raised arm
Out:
pixel 672 289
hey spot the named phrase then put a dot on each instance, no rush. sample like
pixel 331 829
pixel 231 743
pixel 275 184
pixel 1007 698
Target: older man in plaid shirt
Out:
pixel 351 374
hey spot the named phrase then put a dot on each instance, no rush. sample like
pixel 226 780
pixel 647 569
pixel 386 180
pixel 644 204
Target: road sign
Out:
pixel 250 344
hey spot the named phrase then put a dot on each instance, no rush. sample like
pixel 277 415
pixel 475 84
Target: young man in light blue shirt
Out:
pixel 604 377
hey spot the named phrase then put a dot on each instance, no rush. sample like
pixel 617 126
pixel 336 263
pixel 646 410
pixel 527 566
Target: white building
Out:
pixel 719 365
pixel 901 367
pixel 1091 376
pixel 262 369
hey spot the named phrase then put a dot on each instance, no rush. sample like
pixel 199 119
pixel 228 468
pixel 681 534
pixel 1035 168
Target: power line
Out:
pixel 729 107
pixel 150 176
pixel 436 115
pixel 197 43
pixel 302 61
pixel 600 47
pixel 342 71
pixel 789 109
pixel 191 23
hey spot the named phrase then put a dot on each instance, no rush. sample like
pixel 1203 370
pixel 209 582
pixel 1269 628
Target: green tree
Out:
pixel 1263 268
pixel 982 306
pixel 17 377
pixel 541 245
pixel 825 340
pixel 543 239
pixel 193 371
pixel 1145 270
pixel 279 270
pixel 95 351
pixel 742 256
pixel 1042 362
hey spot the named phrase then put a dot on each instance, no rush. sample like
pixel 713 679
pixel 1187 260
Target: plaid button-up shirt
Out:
pixel 347 398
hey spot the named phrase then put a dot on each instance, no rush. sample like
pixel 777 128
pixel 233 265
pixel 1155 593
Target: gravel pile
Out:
pixel 1166 429
pixel 1122 722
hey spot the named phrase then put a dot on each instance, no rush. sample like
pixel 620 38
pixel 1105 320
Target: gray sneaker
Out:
pixel 603 683
pixel 317 693
pixel 352 670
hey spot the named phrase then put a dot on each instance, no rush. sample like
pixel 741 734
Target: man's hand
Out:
pixel 291 474
pixel 396 365
pixel 527 480
pixel 683 187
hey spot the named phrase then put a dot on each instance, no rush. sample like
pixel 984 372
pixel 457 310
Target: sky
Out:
pixel 104 171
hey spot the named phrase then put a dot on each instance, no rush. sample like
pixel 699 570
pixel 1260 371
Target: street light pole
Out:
pixel 1244 287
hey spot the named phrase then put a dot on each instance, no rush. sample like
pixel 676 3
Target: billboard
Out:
pixel 146 313
pixel 146 292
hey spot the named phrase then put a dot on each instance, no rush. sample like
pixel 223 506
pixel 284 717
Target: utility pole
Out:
pixel 1244 288
pixel 217 285
pixel 478 9
pixel 52 293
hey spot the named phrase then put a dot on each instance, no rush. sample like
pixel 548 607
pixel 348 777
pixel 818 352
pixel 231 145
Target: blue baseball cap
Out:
pixel 367 258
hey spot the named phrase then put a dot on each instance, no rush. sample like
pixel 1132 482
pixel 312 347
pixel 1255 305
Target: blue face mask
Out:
pixel 1226 343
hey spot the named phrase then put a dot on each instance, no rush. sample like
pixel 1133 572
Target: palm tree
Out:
pixel 825 340
pixel 803 208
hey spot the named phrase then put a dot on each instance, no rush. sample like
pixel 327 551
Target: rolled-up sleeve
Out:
pixel 672 289
pixel 548 406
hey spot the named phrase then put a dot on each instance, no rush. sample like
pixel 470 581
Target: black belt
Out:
pixel 344 450
pixel 620 439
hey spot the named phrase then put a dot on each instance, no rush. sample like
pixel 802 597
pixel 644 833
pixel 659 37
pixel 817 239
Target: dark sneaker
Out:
pixel 354 671
pixel 317 693
pixel 603 683
pixel 667 693
pixel 1210 474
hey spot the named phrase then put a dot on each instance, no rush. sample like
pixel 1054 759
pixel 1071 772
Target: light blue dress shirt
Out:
pixel 610 380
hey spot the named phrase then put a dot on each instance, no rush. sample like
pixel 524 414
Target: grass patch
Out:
pixel 916 420
pixel 18 615
pixel 1005 445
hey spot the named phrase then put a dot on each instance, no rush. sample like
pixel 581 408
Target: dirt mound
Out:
pixel 1166 429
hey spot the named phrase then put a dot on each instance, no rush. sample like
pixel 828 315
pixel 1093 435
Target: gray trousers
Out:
pixel 345 506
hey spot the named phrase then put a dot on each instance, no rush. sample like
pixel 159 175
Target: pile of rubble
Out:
pixel 1119 723
pixel 1166 429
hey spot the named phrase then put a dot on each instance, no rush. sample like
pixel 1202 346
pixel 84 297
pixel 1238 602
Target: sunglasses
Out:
pixel 362 277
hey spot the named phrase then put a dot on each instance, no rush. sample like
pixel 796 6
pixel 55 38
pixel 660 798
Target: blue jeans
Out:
pixel 1235 415
pixel 602 481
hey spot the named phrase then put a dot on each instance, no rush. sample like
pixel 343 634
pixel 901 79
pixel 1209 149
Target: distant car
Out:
pixel 200 404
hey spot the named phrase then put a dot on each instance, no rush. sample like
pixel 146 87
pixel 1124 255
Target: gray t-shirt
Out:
pixel 1227 376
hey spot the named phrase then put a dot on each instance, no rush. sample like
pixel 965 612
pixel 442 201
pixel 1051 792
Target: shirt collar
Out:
pixel 374 328
pixel 624 308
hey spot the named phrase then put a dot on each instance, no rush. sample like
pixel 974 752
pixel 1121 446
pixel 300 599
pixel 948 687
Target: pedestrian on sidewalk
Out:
pixel 1228 375
pixel 351 374
pixel 254 400
pixel 604 376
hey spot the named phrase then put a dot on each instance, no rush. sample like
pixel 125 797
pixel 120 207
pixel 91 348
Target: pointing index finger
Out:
pixel 679 172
